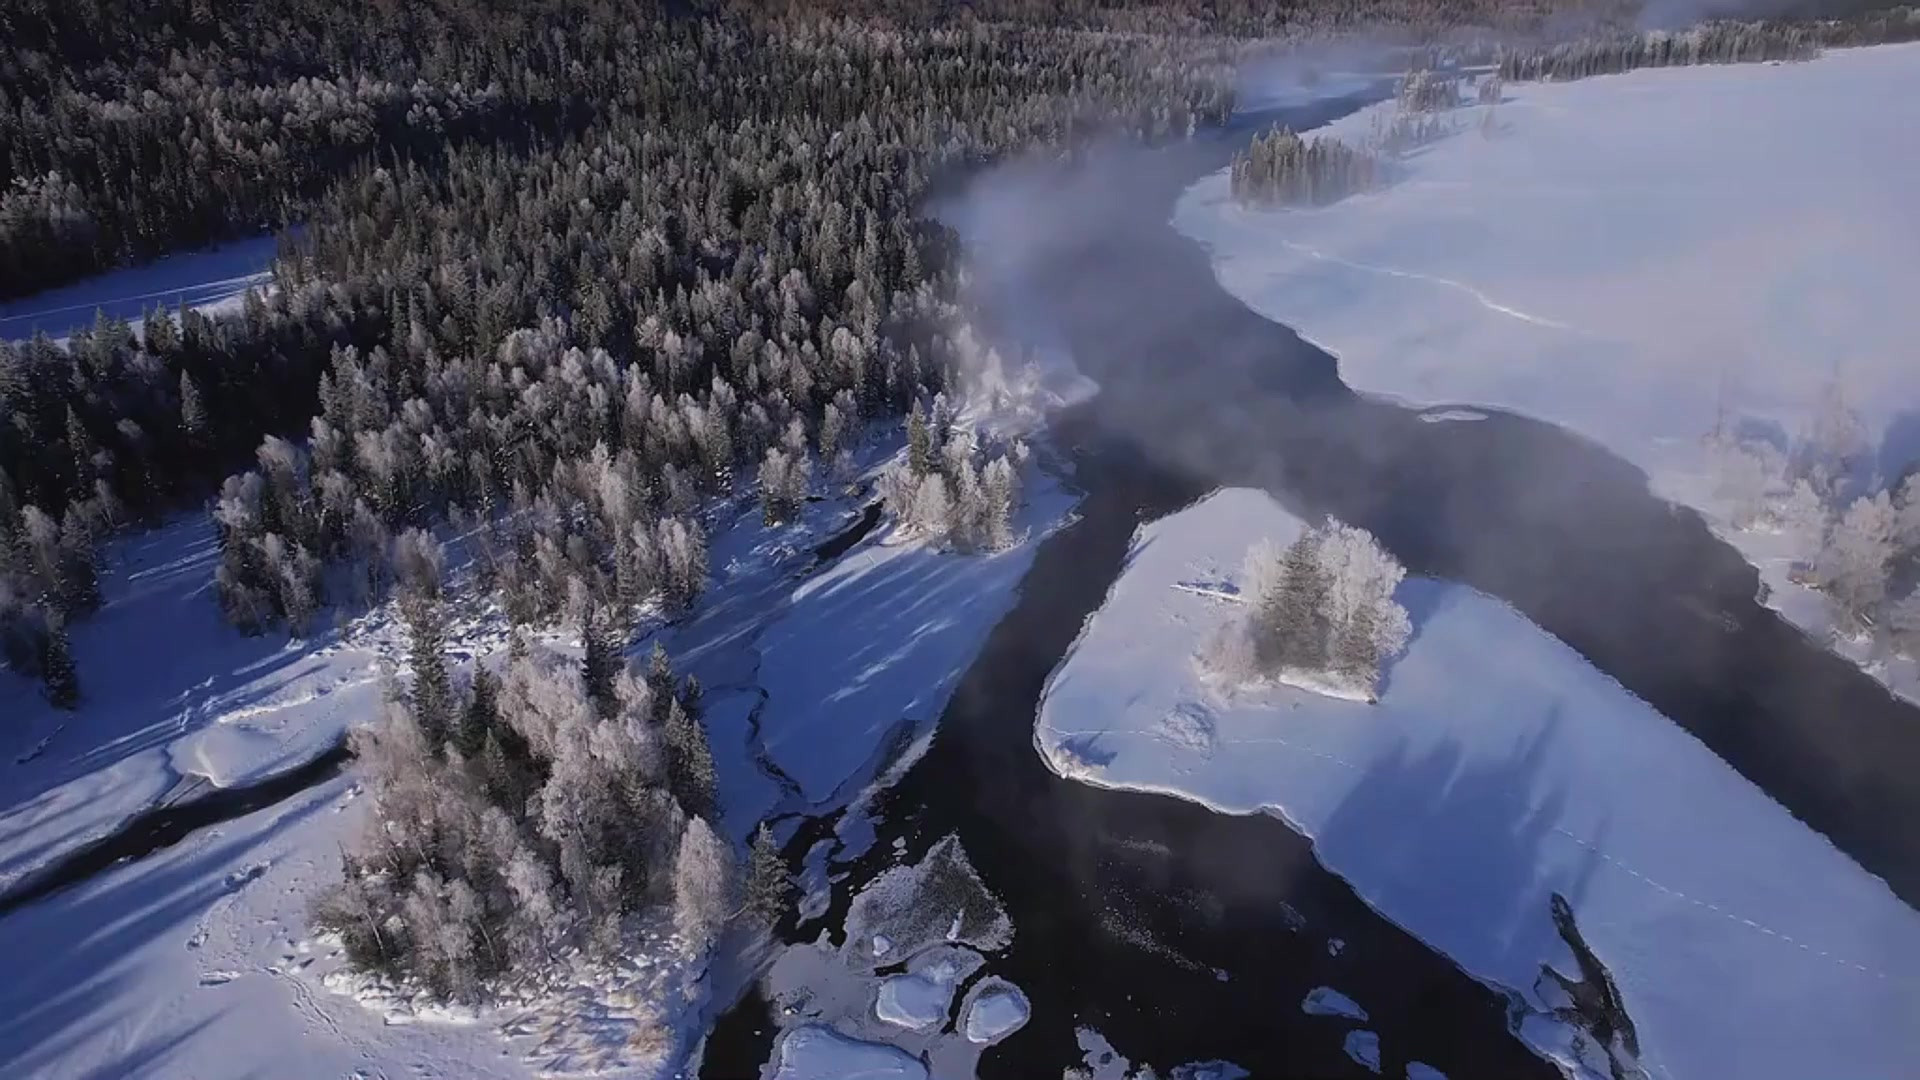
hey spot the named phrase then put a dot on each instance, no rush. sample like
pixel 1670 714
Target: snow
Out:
pixel 907 909
pixel 870 648
pixel 995 1009
pixel 921 1000
pixel 818 1053
pixel 934 917
pixel 1628 256
pixel 1364 1047
pixel 1326 1001
pixel 1500 767
pixel 213 281
pixel 192 963
pixel 175 701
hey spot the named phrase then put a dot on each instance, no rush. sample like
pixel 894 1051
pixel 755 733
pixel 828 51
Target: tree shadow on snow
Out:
pixel 1459 847
pixel 75 958
pixel 157 663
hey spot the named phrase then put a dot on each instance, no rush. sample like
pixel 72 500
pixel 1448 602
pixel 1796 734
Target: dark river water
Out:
pixel 1182 934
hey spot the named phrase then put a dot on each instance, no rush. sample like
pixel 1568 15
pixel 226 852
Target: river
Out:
pixel 1187 935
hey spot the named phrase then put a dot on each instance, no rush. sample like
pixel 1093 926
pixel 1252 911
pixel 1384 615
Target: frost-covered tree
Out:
pixel 703 884
pixel 1802 517
pixel 784 480
pixel 1835 443
pixel 1367 625
pixel 933 509
pixel 1745 474
pixel 1853 565
pixel 1903 624
pixel 1906 529
pixel 1000 492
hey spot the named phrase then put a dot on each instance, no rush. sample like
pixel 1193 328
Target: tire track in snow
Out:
pixel 1479 297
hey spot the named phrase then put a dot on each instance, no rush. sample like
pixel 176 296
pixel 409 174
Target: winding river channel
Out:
pixel 1186 935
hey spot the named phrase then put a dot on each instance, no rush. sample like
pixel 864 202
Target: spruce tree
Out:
pixel 919 442
pixel 481 716
pixel 432 697
pixel 767 879
pixel 57 668
pixel 660 681
pixel 1292 623
pixel 600 661
pixel 690 772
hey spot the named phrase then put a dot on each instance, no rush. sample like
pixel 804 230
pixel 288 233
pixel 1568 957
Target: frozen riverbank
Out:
pixel 1643 259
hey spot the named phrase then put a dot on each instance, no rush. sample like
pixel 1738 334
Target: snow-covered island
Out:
pixel 1668 261
pixel 1497 769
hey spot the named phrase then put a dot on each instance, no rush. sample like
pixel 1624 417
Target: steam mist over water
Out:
pixel 1558 526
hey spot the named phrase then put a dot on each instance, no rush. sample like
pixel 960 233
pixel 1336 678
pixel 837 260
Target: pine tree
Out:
pixel 690 772
pixel 767 879
pixel 600 661
pixel 57 668
pixel 919 442
pixel 432 696
pixel 481 716
pixel 193 414
pixel 1292 621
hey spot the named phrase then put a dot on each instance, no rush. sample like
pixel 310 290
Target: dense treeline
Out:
pixel 1720 42
pixel 1282 169
pixel 127 130
pixel 729 265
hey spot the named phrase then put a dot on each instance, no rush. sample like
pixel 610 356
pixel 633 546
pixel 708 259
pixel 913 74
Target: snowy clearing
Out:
pixel 1498 768
pixel 175 700
pixel 213 281
pixel 1637 257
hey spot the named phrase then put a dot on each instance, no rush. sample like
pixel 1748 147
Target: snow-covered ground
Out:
pixel 1637 257
pixel 1498 768
pixel 186 942
pixel 213 280
pixel 175 701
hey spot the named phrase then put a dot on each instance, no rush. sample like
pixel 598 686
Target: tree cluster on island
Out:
pixel 1320 613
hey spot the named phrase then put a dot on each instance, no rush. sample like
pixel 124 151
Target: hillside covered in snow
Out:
pixel 1498 770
